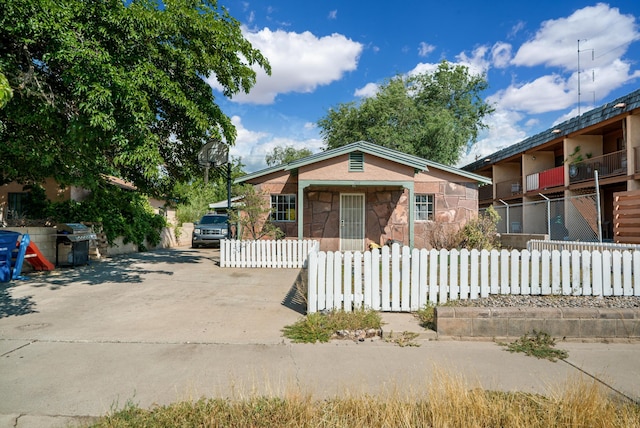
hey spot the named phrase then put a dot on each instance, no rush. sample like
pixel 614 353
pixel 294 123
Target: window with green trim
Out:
pixel 424 207
pixel 283 207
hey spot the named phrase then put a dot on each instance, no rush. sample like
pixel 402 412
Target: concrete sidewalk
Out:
pixel 158 327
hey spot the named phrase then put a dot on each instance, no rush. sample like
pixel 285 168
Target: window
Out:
pixel 356 162
pixel 17 205
pixel 424 208
pixel 283 207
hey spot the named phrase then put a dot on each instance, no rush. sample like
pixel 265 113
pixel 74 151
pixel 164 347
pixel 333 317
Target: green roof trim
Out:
pixel 418 163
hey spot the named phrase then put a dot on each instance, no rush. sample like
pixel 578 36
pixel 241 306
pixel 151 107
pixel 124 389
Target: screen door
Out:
pixel 351 222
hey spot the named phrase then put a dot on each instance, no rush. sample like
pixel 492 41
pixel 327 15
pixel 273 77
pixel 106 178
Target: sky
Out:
pixel 324 53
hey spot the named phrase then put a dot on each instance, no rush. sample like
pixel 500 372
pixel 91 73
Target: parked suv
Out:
pixel 210 230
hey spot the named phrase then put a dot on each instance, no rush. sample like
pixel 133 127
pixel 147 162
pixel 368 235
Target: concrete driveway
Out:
pixel 157 327
pixel 168 296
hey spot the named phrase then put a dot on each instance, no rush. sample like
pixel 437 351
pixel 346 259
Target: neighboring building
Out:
pixel 547 183
pixel 14 197
pixel 364 193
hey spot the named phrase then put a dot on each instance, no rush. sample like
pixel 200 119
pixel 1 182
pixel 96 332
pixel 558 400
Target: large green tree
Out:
pixel 281 155
pixel 117 87
pixel 435 115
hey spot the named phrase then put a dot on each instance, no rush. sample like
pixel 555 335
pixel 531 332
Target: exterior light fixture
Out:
pixel 487 160
pixel 620 105
pixel 556 131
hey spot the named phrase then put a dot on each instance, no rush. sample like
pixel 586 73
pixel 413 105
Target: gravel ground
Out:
pixel 505 301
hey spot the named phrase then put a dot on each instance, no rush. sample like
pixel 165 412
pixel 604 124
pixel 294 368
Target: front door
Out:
pixel 351 222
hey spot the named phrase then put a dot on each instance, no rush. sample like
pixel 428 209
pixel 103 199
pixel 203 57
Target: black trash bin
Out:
pixel 8 240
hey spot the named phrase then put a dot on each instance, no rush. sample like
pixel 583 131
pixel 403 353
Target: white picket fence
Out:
pixel 266 254
pixel 403 280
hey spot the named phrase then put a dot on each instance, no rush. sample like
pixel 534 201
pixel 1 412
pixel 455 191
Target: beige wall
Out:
pixel 375 169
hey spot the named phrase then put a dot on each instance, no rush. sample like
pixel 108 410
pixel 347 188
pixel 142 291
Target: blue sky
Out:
pixel 324 53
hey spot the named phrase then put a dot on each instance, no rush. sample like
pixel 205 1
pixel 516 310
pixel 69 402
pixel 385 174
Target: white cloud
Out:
pixel 503 132
pixel 554 92
pixel 519 26
pixel 253 146
pixel 425 49
pixel 599 27
pixel 333 14
pixel 300 62
pixel 367 91
pixel 477 63
pixel 501 54
pixel 546 93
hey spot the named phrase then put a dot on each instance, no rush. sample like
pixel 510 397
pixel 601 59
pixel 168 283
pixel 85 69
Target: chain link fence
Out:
pixel 573 218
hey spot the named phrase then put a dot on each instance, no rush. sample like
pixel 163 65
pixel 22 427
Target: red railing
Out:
pixel 552 177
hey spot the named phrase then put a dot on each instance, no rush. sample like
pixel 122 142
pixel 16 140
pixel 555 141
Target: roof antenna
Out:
pixel 592 76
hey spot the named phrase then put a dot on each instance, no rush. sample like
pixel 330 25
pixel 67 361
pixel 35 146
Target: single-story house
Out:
pixel 363 193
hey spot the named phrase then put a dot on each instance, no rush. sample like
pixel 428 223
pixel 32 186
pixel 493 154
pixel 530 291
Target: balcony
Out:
pixel 609 165
pixel 509 189
pixel 545 179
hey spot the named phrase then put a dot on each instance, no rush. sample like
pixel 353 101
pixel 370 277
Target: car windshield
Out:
pixel 213 219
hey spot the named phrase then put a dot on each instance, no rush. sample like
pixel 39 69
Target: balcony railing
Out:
pixel 510 188
pixel 485 192
pixel 609 165
pixel 553 177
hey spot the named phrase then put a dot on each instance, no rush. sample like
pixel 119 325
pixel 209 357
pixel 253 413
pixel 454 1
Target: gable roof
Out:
pixel 396 156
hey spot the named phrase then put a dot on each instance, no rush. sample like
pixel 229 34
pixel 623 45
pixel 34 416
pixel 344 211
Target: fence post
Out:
pixel 347 290
pixel 636 270
pixel 484 273
pixel 357 279
pixel 525 257
pixel 586 273
pixel 433 276
pixel 395 277
pixel 494 269
pixel 627 273
pixel 596 263
pixel 464 274
pixel 375 279
pixel 444 271
pixel 515 272
pixel 454 285
pixel 322 281
pixel 405 296
pixel 312 300
pixel 504 272
pixel 329 276
pixel 386 292
pixel 338 293
pixel 223 245
pixel 368 301
pixel 415 279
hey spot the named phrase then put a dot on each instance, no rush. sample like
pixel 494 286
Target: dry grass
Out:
pixel 447 401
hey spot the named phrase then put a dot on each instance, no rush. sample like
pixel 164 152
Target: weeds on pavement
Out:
pixel 538 344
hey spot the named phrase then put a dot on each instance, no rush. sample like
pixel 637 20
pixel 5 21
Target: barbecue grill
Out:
pixel 72 244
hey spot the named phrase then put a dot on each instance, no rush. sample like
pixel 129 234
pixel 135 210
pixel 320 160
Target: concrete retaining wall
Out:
pixel 569 323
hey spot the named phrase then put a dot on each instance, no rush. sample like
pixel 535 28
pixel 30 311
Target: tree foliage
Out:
pixel 117 87
pixel 253 215
pixel 434 115
pixel 281 155
pixel 194 197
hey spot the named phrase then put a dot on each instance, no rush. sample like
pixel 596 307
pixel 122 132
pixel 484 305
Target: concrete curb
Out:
pixel 566 323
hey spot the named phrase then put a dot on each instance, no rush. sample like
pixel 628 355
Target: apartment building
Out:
pixel 579 180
